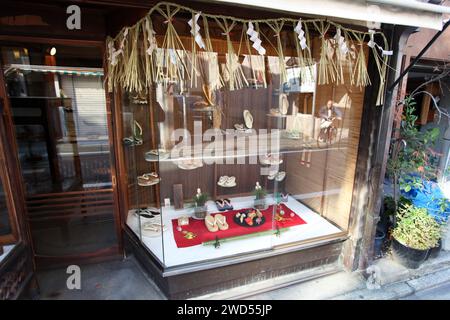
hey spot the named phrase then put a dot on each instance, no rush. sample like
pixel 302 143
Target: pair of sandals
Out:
pixel 148 179
pixel 153 229
pixel 271 159
pixel 227 182
pixel 277 176
pixel 156 155
pixel 224 204
pixel 284 197
pixel 136 139
pixel 147 213
pixel 189 164
pixel 216 223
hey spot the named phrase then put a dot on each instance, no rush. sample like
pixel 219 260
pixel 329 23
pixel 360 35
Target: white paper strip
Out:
pixel 254 37
pixel 195 31
pixel 301 34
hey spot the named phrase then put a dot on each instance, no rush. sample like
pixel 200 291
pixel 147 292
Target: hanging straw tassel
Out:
pixel 150 48
pixel 134 74
pixel 215 81
pixel 277 27
pixel 171 64
pixel 360 76
pixel 117 59
pixel 236 78
pixel 327 65
pixel 382 64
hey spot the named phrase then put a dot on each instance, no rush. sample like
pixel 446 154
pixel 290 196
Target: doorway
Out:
pixel 58 105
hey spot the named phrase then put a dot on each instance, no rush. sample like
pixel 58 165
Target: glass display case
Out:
pixel 213 172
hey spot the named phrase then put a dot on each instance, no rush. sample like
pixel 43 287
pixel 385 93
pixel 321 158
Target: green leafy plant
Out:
pixel 260 193
pixel 411 156
pixel 200 199
pixel 416 228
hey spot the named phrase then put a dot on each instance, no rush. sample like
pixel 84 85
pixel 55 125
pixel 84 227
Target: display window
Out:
pixel 235 149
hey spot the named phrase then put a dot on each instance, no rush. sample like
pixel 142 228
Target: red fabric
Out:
pixel 203 234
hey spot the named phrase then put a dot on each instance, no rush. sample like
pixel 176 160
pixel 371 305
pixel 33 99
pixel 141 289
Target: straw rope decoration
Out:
pixel 327 66
pixel 360 76
pixel 170 61
pixel 233 73
pixel 277 26
pixel 150 47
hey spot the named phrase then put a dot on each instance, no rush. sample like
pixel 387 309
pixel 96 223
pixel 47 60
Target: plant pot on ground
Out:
pixel 414 235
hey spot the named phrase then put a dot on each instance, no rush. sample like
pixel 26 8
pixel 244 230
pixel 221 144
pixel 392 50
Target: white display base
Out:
pixel 315 226
pixel 6 251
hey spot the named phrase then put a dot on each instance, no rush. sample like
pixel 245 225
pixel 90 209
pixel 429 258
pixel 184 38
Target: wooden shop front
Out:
pixel 119 136
pixel 220 106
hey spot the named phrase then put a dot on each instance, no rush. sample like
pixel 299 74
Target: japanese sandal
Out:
pixel 211 224
pixel 248 119
pixel 280 176
pixel 148 179
pixel 220 205
pixel 227 204
pixel 221 221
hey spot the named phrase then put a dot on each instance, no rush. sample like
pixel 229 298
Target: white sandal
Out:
pixel 248 119
pixel 221 221
pixel 211 224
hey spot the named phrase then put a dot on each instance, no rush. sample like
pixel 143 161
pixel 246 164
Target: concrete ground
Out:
pixel 112 280
pixel 125 280
pixel 438 293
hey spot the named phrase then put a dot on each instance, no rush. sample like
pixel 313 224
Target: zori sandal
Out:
pixel 227 204
pixel 220 205
pixel 137 133
pixel 148 179
pixel 211 223
pixel 221 221
pixel 248 119
pixel 280 176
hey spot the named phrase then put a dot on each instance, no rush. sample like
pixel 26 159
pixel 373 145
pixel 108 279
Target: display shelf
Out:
pixel 171 255
pixel 287 146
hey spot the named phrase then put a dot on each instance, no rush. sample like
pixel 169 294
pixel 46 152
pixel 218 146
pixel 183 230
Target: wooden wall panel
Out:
pixel 329 179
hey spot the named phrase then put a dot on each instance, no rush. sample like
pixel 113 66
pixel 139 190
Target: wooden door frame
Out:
pixel 69 42
pixel 10 172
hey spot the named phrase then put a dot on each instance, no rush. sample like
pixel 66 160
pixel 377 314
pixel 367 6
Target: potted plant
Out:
pixel 440 211
pixel 200 207
pixel 415 233
pixel 410 164
pixel 260 197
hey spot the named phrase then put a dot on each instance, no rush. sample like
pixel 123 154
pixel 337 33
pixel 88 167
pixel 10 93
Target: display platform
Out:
pixel 314 226
pixel 236 230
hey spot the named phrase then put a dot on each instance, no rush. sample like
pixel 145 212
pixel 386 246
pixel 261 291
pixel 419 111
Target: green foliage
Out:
pixel 411 158
pixel 260 193
pixel 389 204
pixel 200 199
pixel 416 228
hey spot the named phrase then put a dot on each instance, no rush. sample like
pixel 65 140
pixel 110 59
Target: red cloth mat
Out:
pixel 203 234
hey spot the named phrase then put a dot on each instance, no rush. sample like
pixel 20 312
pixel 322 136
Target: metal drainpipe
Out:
pixel 419 56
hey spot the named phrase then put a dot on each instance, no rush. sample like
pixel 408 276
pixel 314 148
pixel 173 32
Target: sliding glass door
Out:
pixel 58 105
